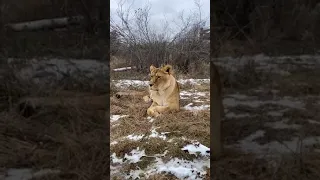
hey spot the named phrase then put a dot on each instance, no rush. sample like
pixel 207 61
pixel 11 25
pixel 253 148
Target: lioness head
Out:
pixel 160 78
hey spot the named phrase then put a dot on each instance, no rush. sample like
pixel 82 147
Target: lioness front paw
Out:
pixel 146 99
pixel 152 112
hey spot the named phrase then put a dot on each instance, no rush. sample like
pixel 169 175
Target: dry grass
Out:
pixel 72 139
pixel 237 165
pixel 302 84
pixel 64 137
pixel 179 128
pixel 179 125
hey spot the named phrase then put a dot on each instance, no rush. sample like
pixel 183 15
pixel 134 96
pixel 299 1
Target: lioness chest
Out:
pixel 159 97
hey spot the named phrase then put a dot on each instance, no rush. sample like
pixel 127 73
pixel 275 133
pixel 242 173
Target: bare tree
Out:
pixel 145 45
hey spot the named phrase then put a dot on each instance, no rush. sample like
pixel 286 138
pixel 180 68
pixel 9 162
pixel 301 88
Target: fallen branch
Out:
pixel 124 69
pixel 45 23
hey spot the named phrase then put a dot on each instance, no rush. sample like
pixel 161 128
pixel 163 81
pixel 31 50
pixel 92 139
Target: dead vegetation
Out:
pixel 56 134
pixel 236 165
pixel 183 43
pixel 174 131
pixel 256 93
pixel 81 40
pixel 245 27
pixel 136 43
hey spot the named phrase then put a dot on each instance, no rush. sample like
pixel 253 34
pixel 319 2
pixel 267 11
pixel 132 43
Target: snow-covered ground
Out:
pixel 180 168
pixel 272 112
pixel 26 174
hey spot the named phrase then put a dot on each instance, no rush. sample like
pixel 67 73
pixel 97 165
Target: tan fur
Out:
pixel 164 91
pixel 216 110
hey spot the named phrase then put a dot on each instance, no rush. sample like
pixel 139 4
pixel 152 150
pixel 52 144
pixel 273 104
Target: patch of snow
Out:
pixel 196 108
pixel 285 101
pixel 155 134
pixel 180 138
pixel 165 133
pixel 135 137
pixel 132 157
pixel 122 69
pixel 280 64
pixel 135 155
pixel 135 174
pixel 282 125
pixel 196 148
pixel 313 121
pixel 114 143
pixel 36 69
pixel 182 169
pixel 27 174
pixel 114 118
pixel 274 147
pixel 195 94
pixel 124 83
pixel 150 119
pixel 257 134
pixel 194 81
pixel 115 159
pixel 233 115
pixel 262 89
pixel 238 96
pixel 186 93
pixel 300 59
pixel 198 101
pixel 275 113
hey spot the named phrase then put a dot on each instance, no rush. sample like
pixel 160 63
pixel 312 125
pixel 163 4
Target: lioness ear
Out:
pixel 167 68
pixel 152 67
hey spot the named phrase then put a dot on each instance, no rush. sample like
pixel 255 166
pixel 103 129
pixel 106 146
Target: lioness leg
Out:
pixel 157 110
pixel 161 109
pixel 151 111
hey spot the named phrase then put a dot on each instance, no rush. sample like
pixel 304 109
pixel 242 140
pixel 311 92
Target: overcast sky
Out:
pixel 168 10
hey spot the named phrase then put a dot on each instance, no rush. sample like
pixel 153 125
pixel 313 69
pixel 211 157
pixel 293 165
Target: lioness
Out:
pixel 164 91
